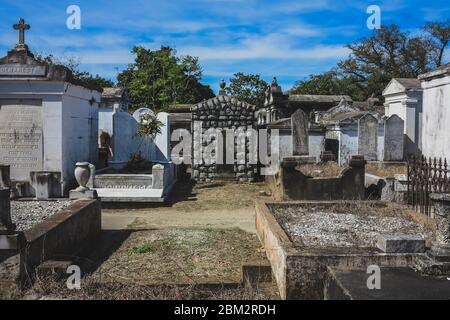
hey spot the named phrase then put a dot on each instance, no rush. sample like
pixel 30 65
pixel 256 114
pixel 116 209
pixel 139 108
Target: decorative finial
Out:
pixel 21 26
pixel 222 91
pixel 274 82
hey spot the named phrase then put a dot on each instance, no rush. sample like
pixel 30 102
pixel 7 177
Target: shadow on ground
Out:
pixel 107 243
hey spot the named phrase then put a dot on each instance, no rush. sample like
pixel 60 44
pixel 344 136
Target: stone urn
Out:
pixel 82 174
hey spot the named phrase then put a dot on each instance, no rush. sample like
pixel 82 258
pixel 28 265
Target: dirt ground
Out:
pixel 219 205
pixel 201 237
pixel 205 232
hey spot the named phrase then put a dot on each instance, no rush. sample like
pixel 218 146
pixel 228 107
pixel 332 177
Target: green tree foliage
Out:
pixel 375 60
pixel 248 87
pixel 440 35
pixel 328 83
pixel 158 79
pixel 84 78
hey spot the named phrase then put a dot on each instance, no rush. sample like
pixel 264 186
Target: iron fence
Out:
pixel 426 176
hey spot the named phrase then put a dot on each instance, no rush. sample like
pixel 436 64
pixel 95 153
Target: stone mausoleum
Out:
pixel 48 122
pixel 435 135
pixel 403 97
pixel 279 105
pixel 211 121
pixel 113 100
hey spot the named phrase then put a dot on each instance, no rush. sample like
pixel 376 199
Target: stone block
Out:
pixel 394 139
pixel 46 184
pixel 401 243
pixel 367 137
pixel 158 176
pixel 12 241
pixel 83 195
pixel 300 123
pixel 441 203
pixel 401 183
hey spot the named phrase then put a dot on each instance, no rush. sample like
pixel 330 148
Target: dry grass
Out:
pixel 329 169
pixel 181 256
pixel 386 170
pixel 94 288
pixel 169 264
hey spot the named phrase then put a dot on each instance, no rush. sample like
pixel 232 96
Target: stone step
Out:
pixel 396 284
pixel 131 195
pixel 256 272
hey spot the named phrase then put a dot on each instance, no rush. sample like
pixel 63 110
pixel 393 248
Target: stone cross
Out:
pixel 21 26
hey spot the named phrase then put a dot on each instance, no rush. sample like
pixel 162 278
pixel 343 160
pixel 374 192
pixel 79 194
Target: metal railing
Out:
pixel 426 176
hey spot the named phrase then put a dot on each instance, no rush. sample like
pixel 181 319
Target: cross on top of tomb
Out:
pixel 21 26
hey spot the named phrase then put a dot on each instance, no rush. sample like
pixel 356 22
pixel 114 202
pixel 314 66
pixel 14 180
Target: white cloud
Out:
pixel 79 41
pixel 303 31
pixel 433 14
pixel 304 6
pixel 119 56
pixel 273 46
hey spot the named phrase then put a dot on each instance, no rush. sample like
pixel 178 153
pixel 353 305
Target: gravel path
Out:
pixel 328 228
pixel 26 214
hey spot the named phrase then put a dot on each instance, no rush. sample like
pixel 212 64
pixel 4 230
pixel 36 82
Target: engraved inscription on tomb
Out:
pixel 21 139
pixel 127 183
pixel 21 70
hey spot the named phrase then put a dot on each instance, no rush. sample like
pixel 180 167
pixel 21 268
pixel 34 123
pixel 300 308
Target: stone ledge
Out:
pixel 66 233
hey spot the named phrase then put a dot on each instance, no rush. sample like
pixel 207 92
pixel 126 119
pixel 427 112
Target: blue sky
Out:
pixel 288 39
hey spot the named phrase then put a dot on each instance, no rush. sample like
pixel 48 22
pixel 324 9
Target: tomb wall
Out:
pixel 436 117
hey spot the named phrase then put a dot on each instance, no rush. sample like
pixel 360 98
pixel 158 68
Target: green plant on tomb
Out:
pixel 137 164
pixel 144 248
pixel 149 126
